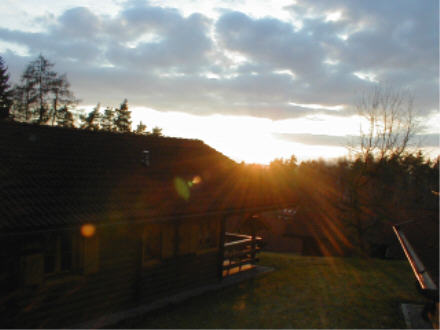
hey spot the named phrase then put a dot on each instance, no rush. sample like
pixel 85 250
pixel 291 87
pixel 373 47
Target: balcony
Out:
pixel 240 253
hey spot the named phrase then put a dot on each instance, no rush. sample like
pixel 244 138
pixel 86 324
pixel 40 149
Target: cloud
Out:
pixel 421 140
pixel 314 139
pixel 238 64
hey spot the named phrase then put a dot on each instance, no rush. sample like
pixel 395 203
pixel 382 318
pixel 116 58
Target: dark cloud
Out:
pixel 157 57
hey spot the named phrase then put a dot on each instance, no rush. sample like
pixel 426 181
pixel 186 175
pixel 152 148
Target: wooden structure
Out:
pixel 93 223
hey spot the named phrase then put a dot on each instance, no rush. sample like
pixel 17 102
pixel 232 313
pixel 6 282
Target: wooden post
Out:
pixel 221 250
pixel 254 238
pixel 137 288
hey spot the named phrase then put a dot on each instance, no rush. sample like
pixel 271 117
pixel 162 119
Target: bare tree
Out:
pixel 388 125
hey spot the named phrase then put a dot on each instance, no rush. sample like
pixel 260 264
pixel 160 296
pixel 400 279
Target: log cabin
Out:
pixel 94 223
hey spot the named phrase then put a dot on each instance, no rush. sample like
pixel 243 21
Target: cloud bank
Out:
pixel 324 53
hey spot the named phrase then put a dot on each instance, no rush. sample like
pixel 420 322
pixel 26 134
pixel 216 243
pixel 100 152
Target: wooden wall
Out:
pixel 119 281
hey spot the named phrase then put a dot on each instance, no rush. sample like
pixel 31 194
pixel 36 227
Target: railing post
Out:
pixel 254 239
pixel 221 250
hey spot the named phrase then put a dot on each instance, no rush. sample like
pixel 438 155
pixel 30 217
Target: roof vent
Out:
pixel 146 158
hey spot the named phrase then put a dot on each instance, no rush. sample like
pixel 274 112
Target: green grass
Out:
pixel 302 292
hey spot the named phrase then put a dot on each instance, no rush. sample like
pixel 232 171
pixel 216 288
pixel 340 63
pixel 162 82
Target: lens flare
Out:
pixel 88 230
pixel 182 188
pixel 196 180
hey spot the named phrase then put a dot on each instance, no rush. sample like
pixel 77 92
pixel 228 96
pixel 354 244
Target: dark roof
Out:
pixel 52 176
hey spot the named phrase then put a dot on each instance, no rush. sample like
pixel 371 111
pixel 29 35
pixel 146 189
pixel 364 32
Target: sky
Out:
pixel 256 80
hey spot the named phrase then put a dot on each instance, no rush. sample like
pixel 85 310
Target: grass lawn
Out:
pixel 303 292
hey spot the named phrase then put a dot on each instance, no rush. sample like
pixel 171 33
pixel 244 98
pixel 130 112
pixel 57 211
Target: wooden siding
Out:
pixel 121 282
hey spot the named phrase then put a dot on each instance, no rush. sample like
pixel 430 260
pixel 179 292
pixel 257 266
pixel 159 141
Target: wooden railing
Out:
pixel 240 252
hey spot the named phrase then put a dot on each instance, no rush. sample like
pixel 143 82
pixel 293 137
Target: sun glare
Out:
pixel 251 139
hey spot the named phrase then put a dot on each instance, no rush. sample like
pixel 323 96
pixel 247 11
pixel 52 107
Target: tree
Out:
pixel 40 73
pixel 157 131
pixel 385 134
pixel 62 97
pixel 41 93
pixel 389 122
pixel 141 128
pixel 25 98
pixel 91 121
pixel 65 117
pixel 5 91
pixel 123 118
pixel 108 119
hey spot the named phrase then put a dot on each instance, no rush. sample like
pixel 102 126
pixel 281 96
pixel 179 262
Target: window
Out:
pixel 68 252
pixel 58 252
pixel 159 242
pixel 55 253
pixel 188 238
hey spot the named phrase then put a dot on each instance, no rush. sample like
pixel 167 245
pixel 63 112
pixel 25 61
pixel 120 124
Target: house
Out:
pixel 92 223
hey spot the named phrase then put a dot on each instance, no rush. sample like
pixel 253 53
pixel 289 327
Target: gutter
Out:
pixel 419 270
pixel 156 219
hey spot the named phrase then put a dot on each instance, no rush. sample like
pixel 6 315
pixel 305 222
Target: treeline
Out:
pixel 44 97
pixel 362 198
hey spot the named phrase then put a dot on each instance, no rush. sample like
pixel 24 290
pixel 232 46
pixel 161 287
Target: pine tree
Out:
pixel 91 121
pixel 157 131
pixel 65 117
pixel 107 120
pixel 5 92
pixel 123 118
pixel 141 128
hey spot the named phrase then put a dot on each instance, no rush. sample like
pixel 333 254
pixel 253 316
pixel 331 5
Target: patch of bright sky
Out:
pixel 333 16
pixel 319 124
pixel 368 76
pixel 343 36
pixel 318 106
pixel 285 72
pixel 28 10
pixel 431 124
pixel 249 139
pixel 236 58
pixel 16 48
pixel 330 61
pixel 214 8
pixel 145 38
